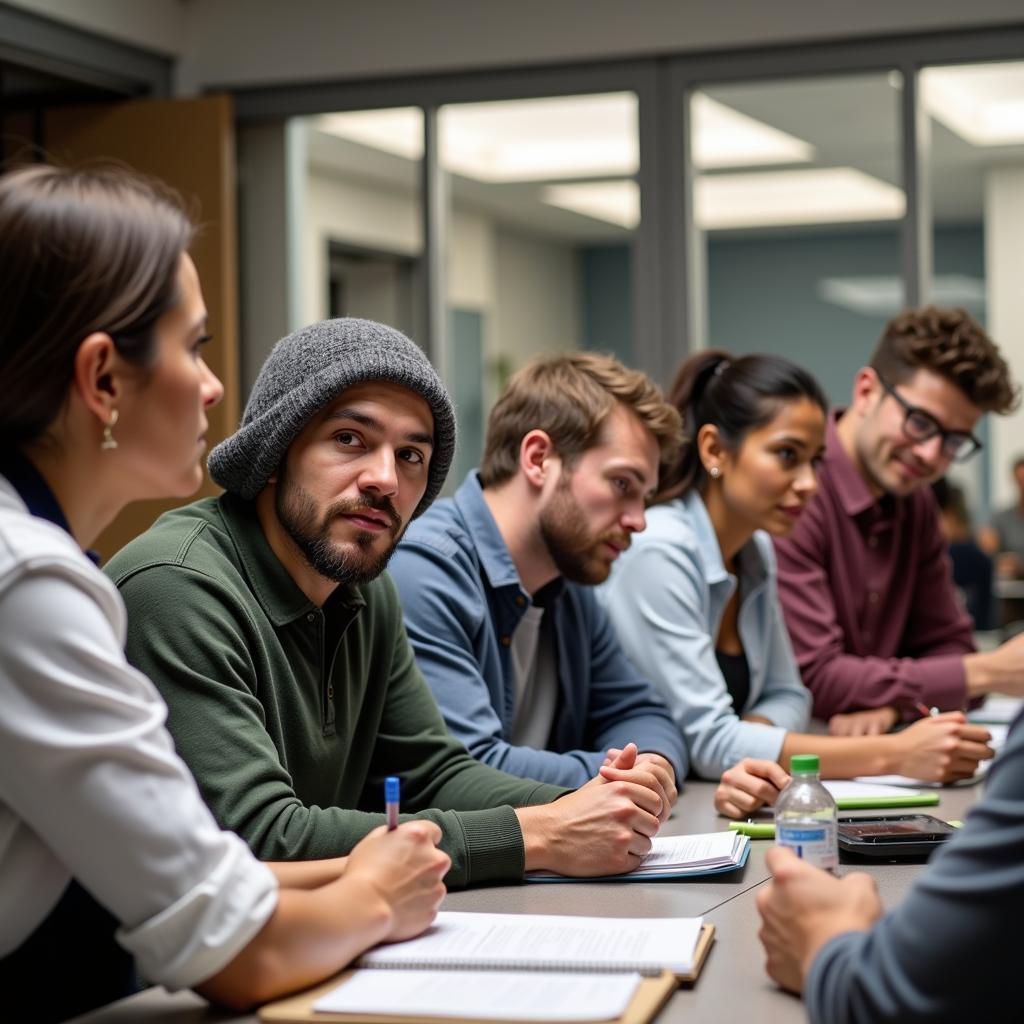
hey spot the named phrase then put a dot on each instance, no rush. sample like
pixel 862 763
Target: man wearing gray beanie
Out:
pixel 270 627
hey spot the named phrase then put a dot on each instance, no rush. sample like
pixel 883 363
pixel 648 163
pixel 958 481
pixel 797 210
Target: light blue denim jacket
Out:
pixel 462 600
pixel 666 597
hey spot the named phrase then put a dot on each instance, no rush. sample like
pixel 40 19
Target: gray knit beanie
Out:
pixel 307 370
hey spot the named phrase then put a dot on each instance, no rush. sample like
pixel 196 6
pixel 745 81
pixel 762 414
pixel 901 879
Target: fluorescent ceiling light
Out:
pixel 982 103
pixel 561 137
pixel 531 140
pixel 617 202
pixel 723 137
pixel 826 195
pixel 757 199
pixel 398 130
pixel 511 140
pixel 883 296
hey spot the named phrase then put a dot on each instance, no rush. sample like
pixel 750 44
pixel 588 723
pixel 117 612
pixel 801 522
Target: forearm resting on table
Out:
pixel 842 757
pixel 311 934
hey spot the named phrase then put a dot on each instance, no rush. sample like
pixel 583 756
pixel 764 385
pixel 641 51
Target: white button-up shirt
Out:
pixel 90 785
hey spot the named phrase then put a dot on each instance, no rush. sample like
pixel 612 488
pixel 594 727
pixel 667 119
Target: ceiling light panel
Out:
pixel 398 130
pixel 616 202
pixel 723 137
pixel 542 139
pixel 829 195
pixel 982 103
pixel 758 199
pixel 510 140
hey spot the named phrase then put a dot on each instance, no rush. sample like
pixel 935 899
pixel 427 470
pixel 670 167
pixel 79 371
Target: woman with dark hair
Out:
pixel 103 833
pixel 694 600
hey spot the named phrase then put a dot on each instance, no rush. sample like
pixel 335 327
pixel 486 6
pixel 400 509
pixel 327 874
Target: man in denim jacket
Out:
pixel 496 583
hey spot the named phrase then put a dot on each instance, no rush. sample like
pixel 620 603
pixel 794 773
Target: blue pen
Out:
pixel 392 788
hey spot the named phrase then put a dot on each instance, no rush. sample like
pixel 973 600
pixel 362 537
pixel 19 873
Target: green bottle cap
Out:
pixel 802 764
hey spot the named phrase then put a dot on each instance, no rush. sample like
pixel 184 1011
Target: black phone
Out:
pixel 893 837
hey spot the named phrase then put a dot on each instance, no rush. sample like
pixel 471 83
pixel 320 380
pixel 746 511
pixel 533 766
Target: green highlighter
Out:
pixel 754 829
pixel 766 829
pixel 875 803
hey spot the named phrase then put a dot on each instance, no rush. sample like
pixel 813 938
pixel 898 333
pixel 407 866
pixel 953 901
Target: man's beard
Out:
pixel 297 513
pixel 570 542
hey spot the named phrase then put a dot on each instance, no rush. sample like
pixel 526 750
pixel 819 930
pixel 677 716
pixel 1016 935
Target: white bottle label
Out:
pixel 810 842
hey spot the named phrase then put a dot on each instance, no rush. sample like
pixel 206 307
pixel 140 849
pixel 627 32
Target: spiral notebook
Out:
pixel 459 967
pixel 548 942
pixel 673 857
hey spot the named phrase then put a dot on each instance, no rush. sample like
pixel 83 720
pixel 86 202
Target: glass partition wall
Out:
pixel 975 118
pixel 797 201
pixel 786 199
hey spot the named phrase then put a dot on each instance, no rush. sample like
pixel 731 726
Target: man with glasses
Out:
pixel 865 579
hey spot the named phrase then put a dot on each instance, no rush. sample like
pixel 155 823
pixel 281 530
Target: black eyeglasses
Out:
pixel 919 425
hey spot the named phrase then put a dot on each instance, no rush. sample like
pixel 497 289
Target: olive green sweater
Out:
pixel 289 715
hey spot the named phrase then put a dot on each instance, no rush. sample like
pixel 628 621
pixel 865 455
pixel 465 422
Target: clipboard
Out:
pixel 651 995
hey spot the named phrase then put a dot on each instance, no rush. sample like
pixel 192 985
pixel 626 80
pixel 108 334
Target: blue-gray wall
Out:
pixel 763 295
pixel 607 295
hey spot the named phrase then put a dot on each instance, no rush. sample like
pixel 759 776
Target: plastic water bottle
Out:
pixel 805 815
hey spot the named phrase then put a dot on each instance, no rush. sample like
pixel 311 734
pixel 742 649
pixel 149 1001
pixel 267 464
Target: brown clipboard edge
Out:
pixel 700 954
pixel 651 996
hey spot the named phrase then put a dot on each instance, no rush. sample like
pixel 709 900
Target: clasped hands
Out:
pixel 649 770
pixel 605 827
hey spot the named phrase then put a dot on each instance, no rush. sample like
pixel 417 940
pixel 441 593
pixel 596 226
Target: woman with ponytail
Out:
pixel 694 600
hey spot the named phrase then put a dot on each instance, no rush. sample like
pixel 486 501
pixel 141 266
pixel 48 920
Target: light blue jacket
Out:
pixel 462 600
pixel 666 597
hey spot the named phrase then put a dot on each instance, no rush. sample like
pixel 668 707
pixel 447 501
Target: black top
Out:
pixel 736 672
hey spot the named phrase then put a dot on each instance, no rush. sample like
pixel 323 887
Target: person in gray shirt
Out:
pixel 1003 539
pixel 949 951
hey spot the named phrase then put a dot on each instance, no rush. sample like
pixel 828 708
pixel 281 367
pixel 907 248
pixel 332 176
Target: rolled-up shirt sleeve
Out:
pixel 88 770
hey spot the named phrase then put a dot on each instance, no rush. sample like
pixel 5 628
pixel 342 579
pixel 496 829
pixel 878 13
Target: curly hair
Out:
pixel 570 396
pixel 951 343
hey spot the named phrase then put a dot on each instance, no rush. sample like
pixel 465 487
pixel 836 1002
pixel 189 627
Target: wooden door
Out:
pixel 189 144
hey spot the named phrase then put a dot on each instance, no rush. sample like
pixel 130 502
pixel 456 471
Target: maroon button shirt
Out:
pixel 867 590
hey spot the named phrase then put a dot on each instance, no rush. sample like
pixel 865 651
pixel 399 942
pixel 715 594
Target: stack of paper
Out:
pixel 997 709
pixel 523 968
pixel 547 942
pixel 904 780
pixel 869 792
pixel 483 995
pixel 675 857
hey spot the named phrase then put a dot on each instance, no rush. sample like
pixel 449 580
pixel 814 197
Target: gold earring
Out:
pixel 714 472
pixel 109 442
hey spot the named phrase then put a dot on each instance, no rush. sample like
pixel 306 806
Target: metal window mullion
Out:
pixel 646 312
pixel 916 227
pixel 435 207
pixel 662 297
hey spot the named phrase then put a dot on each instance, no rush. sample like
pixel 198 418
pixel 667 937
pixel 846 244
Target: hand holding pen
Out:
pixel 941 746
pixel 403 866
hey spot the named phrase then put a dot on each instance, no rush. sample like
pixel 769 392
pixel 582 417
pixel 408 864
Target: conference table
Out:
pixel 732 989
